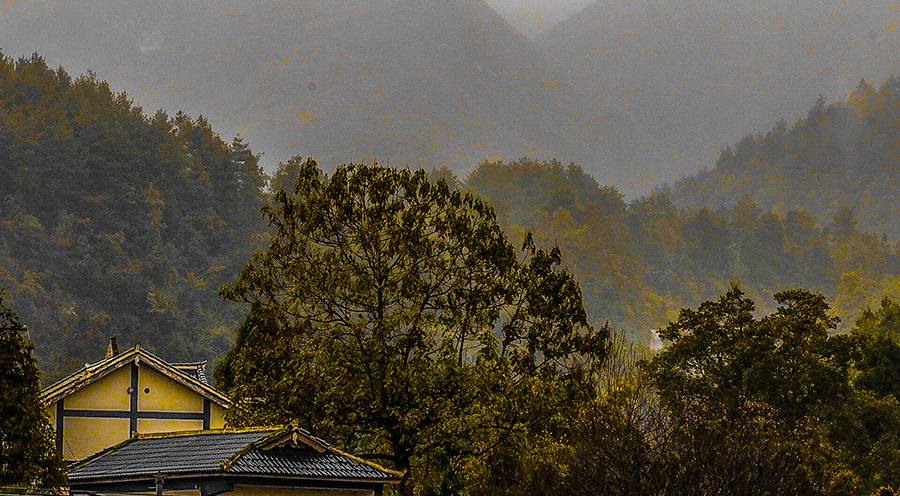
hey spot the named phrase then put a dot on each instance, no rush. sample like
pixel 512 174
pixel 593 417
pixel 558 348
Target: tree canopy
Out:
pixel 721 352
pixel 392 315
pixel 630 440
pixel 841 389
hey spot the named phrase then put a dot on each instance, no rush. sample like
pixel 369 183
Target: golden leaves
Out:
pixel 159 302
pixel 132 268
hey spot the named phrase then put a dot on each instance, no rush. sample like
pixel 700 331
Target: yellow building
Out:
pixel 132 392
pixel 133 424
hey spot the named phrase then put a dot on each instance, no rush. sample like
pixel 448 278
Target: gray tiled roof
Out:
pixel 223 453
pixel 305 462
pixel 197 370
pixel 168 455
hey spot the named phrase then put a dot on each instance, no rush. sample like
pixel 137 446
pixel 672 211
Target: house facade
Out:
pixel 127 393
pixel 133 423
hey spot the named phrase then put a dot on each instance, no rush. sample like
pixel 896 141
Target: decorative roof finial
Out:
pixel 113 348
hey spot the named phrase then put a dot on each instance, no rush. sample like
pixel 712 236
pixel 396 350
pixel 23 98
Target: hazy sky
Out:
pixel 532 15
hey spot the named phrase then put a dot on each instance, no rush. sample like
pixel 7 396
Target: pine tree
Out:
pixel 28 457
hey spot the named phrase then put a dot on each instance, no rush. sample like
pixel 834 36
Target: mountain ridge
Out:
pixel 411 83
pixel 697 76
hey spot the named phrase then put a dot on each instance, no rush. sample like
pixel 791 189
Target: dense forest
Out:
pixel 116 222
pixel 499 372
pixel 842 156
pixel 119 222
pixel 639 261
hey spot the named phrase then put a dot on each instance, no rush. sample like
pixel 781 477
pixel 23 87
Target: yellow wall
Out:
pixel 296 491
pixel 158 393
pixel 216 417
pixel 108 393
pixel 83 437
pixel 147 426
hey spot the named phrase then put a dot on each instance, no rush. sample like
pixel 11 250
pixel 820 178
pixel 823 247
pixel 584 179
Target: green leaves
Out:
pixel 791 363
pixel 720 352
pixel 400 322
pixel 705 358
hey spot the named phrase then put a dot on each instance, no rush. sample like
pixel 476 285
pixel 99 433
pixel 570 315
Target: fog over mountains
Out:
pixel 637 93
pixel 695 77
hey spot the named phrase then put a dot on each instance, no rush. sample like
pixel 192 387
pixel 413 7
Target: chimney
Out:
pixel 113 348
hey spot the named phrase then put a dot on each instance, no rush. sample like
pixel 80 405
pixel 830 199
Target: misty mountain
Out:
pixel 840 160
pixel 414 82
pixel 695 76
pixel 638 93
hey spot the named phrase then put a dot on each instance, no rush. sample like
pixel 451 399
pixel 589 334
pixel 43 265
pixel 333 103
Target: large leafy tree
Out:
pixel 628 441
pixel 869 427
pixel 720 352
pixel 28 456
pixel 392 315
pixel 791 363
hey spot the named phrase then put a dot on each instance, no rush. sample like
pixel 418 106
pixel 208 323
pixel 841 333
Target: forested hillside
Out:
pixel 639 261
pixel 694 76
pixel 843 155
pixel 416 83
pixel 116 222
pixel 379 294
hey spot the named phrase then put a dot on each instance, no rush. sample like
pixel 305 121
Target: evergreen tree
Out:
pixel 27 454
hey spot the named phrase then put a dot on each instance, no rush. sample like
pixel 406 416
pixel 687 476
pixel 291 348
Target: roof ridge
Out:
pixel 166 366
pixel 205 432
pixel 194 368
pixel 275 434
pixel 371 464
pixel 93 372
pixel 241 452
pixel 88 368
pixel 163 435
pixel 226 465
